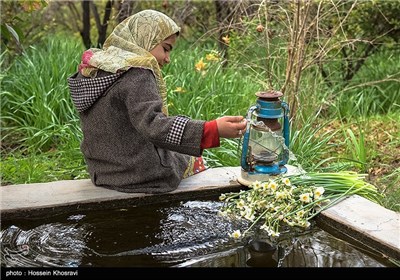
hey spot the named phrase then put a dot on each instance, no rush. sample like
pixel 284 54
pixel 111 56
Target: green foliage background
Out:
pixel 340 124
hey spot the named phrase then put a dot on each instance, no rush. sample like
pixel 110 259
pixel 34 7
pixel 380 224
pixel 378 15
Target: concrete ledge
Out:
pixel 365 223
pixel 355 218
pixel 31 200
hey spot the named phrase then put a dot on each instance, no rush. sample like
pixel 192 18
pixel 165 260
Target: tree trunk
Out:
pixel 85 33
pixel 102 28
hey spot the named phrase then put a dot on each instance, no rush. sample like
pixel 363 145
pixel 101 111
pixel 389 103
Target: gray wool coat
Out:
pixel 128 144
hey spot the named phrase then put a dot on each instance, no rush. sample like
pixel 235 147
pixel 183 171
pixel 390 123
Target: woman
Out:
pixel 130 144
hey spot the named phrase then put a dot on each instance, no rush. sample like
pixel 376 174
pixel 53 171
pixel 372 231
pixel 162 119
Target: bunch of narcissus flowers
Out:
pixel 292 201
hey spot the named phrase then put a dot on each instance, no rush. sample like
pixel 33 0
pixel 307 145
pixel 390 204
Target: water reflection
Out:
pixel 187 234
pixel 322 250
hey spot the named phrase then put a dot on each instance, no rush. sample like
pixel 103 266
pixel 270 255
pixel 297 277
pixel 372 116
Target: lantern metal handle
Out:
pixel 246 137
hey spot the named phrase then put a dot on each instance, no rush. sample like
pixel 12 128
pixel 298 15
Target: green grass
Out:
pixel 53 165
pixel 335 131
pixel 37 112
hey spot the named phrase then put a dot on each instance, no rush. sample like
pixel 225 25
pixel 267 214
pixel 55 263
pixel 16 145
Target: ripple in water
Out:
pixel 172 234
pixel 46 245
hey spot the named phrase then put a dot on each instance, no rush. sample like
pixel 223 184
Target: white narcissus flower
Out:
pixel 257 185
pixel 236 234
pixel 274 233
pixel 264 186
pixel 280 195
pixel 249 215
pixel 318 192
pixel 261 203
pixel 286 182
pixel 272 185
pixel 300 213
pixel 241 204
pixel 304 224
pixel 305 197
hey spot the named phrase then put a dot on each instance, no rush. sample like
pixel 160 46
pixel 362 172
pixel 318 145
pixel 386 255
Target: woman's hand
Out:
pixel 231 126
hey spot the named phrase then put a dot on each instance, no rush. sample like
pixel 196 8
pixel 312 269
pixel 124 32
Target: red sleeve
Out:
pixel 210 135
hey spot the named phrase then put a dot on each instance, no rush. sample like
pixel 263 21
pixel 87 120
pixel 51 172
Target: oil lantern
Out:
pixel 265 145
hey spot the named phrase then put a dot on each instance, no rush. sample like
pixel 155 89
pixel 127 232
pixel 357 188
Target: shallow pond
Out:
pixel 174 234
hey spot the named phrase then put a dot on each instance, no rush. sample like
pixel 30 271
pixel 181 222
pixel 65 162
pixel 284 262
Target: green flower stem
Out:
pixel 256 221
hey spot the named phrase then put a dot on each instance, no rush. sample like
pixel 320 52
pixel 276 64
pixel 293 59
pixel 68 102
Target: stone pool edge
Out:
pixel 356 218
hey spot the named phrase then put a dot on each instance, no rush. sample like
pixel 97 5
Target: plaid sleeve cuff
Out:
pixel 175 133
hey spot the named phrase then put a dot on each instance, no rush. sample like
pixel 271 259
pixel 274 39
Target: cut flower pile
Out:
pixel 292 200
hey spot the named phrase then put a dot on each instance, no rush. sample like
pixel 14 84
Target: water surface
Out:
pixel 175 234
